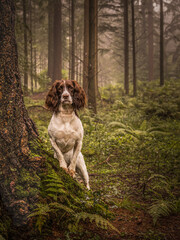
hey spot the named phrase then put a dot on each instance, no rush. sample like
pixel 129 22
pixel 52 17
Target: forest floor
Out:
pixel 118 186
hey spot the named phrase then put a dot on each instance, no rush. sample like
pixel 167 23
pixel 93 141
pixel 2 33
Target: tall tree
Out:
pixel 150 41
pixel 86 47
pixel 92 74
pixel 161 44
pixel 50 39
pixel 133 49
pixel 31 44
pixel 73 41
pixel 16 128
pixel 126 48
pixel 25 47
pixel 57 63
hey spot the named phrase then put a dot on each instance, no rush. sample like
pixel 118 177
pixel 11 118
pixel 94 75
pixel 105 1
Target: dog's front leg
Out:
pixel 72 165
pixel 59 155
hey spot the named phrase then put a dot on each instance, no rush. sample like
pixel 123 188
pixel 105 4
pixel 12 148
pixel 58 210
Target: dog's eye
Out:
pixel 70 87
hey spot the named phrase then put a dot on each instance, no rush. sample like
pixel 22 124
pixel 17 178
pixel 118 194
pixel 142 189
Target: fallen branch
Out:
pixel 38 106
pixel 105 161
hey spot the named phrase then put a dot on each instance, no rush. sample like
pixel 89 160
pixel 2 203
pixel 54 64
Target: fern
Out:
pixel 161 208
pixel 100 221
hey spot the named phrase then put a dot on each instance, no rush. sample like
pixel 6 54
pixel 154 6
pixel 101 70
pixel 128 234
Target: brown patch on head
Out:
pixel 79 97
pixel 54 95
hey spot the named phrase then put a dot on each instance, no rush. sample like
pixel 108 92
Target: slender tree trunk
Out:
pixel 133 50
pixel 25 49
pixel 150 41
pixel 92 86
pixel 73 41
pixel 35 55
pixel 96 47
pixel 31 43
pixel 126 48
pixel 16 128
pixel 69 39
pixel 50 39
pixel 161 44
pixel 86 47
pixel 57 66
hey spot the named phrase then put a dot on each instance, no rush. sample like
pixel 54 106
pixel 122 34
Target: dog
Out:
pixel 65 129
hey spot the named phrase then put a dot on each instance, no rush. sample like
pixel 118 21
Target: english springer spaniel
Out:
pixel 65 128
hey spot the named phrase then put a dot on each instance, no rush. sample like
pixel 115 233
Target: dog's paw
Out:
pixel 66 170
pixel 71 173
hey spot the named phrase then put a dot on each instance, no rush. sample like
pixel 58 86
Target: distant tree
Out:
pixel 161 44
pixel 50 39
pixel 92 74
pixel 150 41
pixel 25 47
pixel 133 49
pixel 31 44
pixel 86 47
pixel 73 40
pixel 126 48
pixel 57 63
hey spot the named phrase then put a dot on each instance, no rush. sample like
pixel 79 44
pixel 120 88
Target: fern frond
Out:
pixel 118 125
pixel 42 209
pixel 55 190
pixel 57 206
pixel 100 221
pixel 161 208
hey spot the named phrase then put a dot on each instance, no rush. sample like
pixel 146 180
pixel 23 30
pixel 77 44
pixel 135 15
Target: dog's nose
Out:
pixel 65 95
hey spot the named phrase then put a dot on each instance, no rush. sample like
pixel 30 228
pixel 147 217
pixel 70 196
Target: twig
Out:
pixel 105 161
pixel 38 106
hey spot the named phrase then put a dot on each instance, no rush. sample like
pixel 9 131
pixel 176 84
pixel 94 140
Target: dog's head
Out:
pixel 65 92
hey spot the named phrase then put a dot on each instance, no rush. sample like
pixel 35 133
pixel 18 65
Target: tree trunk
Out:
pixel 57 66
pixel 69 39
pixel 150 41
pixel 50 39
pixel 86 47
pixel 31 43
pixel 92 55
pixel 16 128
pixel 161 44
pixel 133 50
pixel 25 49
pixel 73 42
pixel 126 48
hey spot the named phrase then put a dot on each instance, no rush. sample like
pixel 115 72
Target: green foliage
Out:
pixel 43 80
pixel 128 150
pixel 162 208
pixel 100 221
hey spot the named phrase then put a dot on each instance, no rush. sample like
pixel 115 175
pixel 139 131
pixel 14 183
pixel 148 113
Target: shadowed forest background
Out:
pixel 126 56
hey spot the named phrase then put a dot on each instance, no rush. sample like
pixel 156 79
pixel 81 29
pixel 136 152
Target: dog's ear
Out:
pixel 79 97
pixel 53 97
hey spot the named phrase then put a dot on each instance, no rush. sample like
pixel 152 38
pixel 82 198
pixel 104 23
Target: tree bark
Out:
pixel 57 63
pixel 126 48
pixel 150 42
pixel 161 44
pixel 25 49
pixel 16 128
pixel 133 50
pixel 92 86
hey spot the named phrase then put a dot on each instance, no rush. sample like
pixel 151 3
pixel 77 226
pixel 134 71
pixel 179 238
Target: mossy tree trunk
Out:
pixel 19 182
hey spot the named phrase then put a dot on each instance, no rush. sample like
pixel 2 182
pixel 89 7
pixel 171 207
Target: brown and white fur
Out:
pixel 65 128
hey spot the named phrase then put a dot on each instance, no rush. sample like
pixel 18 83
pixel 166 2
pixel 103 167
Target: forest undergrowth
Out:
pixel 131 148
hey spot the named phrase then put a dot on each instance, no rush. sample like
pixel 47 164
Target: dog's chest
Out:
pixel 65 134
